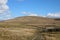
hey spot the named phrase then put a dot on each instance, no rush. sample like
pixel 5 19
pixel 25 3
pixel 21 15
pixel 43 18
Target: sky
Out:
pixel 17 8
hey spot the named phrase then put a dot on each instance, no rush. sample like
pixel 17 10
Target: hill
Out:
pixel 29 20
pixel 29 28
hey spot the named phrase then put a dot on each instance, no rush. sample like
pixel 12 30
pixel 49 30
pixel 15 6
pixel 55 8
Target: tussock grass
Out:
pixel 28 28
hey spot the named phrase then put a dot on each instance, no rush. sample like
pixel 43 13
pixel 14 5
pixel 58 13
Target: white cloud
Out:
pixel 32 14
pixel 50 15
pixel 24 12
pixel 3 6
pixel 29 14
pixel 53 15
pixel 4 10
pixel 3 1
pixel 6 16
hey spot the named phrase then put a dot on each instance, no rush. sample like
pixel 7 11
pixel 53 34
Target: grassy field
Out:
pixel 17 33
pixel 28 28
pixel 26 34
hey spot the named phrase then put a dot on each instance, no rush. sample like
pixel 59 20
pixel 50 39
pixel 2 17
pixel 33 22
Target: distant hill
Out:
pixel 29 20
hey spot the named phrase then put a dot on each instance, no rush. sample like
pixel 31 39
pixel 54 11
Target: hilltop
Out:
pixel 29 20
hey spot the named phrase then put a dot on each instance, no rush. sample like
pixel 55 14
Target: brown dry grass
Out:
pixel 17 33
pixel 28 28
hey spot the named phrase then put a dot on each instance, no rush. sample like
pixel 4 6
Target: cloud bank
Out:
pixel 4 10
pixel 49 15
pixel 3 6
pixel 29 14
pixel 54 15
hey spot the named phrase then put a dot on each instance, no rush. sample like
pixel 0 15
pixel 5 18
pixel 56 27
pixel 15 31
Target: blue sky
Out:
pixel 44 8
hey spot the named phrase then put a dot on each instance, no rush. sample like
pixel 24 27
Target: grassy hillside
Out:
pixel 28 20
pixel 28 28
